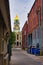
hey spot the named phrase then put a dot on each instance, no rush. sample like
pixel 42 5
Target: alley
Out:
pixel 20 58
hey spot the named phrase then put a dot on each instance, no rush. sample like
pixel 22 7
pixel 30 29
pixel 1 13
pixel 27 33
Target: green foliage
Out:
pixel 12 37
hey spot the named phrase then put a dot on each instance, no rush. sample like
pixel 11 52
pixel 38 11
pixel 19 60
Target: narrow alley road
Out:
pixel 19 58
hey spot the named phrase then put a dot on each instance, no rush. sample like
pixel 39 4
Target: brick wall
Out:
pixel 24 35
pixel 33 24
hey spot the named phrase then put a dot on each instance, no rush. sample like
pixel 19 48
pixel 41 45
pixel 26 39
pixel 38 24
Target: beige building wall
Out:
pixel 4 28
pixel 19 40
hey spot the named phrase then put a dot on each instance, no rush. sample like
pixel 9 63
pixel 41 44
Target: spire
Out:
pixel 16 18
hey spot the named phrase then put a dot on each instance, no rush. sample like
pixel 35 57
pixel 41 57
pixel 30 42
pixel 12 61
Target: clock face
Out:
pixel 17 27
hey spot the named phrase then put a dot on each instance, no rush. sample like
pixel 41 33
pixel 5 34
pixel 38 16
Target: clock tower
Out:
pixel 16 24
pixel 18 34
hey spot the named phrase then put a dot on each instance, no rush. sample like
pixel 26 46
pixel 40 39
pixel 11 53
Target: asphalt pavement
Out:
pixel 20 57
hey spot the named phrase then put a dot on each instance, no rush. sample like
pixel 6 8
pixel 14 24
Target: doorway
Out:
pixel 29 39
pixel 17 43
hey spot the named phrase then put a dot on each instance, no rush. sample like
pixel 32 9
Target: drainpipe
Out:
pixel 38 12
pixel 25 38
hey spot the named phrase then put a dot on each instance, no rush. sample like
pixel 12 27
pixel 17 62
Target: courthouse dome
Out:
pixel 16 17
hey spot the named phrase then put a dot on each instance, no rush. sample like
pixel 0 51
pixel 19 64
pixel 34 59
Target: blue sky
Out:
pixel 21 8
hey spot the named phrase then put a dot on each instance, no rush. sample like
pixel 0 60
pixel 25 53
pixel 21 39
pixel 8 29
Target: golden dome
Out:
pixel 16 18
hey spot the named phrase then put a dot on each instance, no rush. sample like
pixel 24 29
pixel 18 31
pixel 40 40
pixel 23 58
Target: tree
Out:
pixel 12 38
pixel 9 46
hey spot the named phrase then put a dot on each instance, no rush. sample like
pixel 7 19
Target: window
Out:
pixel 17 36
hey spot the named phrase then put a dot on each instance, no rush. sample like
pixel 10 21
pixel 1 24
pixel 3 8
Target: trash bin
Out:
pixel 33 50
pixel 28 50
pixel 37 51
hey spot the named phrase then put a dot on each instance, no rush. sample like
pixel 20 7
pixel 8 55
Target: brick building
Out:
pixel 5 29
pixel 34 22
pixel 25 35
pixel 35 25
